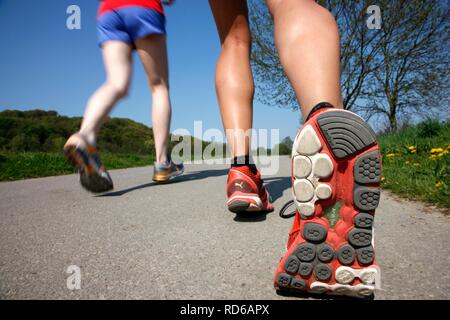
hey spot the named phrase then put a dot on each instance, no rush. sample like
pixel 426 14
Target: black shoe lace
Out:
pixel 285 207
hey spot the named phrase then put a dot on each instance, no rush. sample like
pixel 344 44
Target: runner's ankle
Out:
pixel 244 161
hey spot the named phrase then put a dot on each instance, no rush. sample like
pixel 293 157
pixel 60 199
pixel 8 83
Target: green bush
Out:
pixel 24 142
pixel 31 143
pixel 46 131
pixel 429 128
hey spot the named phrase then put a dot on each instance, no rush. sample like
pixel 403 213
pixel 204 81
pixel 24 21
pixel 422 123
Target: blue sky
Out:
pixel 44 65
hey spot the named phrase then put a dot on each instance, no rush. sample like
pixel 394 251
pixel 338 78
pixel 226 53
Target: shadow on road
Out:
pixel 191 176
pixel 277 185
pixel 250 216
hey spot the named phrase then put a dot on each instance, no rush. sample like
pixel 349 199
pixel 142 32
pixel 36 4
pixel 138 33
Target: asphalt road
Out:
pixel 178 241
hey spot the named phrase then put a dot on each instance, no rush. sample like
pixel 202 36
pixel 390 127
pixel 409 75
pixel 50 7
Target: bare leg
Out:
pixel 117 60
pixel 234 79
pixel 307 40
pixel 153 53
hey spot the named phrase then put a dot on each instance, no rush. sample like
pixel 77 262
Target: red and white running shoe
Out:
pixel 336 171
pixel 246 191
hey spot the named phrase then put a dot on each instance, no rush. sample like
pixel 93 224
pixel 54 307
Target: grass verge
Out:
pixel 17 166
pixel 416 162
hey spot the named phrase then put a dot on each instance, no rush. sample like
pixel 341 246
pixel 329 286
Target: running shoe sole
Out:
pixel 245 203
pixel 90 179
pixel 170 177
pixel 336 171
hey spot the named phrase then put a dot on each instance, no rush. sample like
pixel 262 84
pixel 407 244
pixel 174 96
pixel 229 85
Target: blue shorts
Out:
pixel 129 24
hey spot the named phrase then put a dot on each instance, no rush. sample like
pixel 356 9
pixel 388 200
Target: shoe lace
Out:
pixel 284 209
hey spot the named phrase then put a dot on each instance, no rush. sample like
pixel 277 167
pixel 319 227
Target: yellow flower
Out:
pixel 406 162
pixel 412 149
pixel 438 184
pixel 436 150
pixel 439 155
pixel 383 179
pixel 393 155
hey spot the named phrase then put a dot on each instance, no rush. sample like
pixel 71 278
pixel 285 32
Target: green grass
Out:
pixel 420 175
pixel 24 165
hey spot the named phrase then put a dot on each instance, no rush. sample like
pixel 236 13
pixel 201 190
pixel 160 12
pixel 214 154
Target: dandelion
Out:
pixel 392 155
pixel 438 184
pixel 436 155
pixel 436 150
pixel 383 179
pixel 412 149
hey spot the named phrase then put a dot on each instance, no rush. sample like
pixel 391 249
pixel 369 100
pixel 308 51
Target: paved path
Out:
pixel 178 241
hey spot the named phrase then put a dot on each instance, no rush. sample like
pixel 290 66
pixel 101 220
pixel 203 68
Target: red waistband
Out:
pixel 109 5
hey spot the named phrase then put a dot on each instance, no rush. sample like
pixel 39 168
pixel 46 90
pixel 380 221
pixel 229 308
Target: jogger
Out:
pixel 336 162
pixel 123 26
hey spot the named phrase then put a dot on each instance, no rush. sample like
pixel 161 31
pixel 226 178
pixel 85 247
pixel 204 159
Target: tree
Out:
pixel 23 142
pixel 383 71
pixel 413 62
pixel 284 147
pixel 53 144
pixel 357 53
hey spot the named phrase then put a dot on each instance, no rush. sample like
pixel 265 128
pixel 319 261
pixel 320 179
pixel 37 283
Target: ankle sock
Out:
pixel 244 161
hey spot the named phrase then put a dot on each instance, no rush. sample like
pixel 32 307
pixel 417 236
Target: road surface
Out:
pixel 178 241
